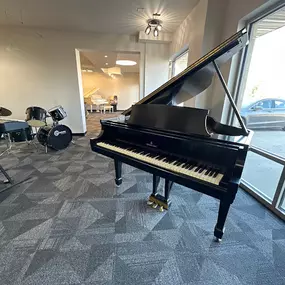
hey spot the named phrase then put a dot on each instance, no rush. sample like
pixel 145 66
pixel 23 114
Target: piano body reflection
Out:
pixel 182 145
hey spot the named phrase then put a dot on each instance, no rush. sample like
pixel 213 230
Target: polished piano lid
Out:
pixel 5 112
pixel 197 77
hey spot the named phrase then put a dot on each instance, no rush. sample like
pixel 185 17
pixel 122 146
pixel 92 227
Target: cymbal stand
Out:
pixel 9 144
pixel 9 147
pixel 8 178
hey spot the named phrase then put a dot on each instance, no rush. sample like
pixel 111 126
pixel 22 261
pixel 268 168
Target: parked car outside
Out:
pixel 264 114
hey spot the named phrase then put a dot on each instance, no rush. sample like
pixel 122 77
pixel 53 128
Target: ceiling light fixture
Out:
pixel 106 55
pixel 106 63
pixel 155 32
pixel 155 25
pixel 148 30
pixel 125 62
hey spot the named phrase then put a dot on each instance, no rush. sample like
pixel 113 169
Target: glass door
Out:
pixel 262 91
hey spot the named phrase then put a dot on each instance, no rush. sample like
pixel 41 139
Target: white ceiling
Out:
pixel 106 16
pixel 96 60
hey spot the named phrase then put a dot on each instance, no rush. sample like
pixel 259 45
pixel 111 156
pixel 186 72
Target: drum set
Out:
pixel 55 136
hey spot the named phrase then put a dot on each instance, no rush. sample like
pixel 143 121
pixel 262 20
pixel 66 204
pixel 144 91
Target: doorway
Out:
pixel 110 83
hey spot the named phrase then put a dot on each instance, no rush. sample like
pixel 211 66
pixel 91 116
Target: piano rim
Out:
pixel 190 182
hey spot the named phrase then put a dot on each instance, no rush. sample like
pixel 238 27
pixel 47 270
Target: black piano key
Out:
pixel 208 171
pixel 190 165
pixel 201 169
pixel 212 173
pixel 216 173
pixel 198 168
pixel 177 163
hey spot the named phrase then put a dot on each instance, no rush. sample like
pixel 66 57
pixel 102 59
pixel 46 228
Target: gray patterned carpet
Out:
pixel 68 224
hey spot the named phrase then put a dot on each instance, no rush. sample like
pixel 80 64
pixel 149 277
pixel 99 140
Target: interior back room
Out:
pixel 38 67
pixel 107 84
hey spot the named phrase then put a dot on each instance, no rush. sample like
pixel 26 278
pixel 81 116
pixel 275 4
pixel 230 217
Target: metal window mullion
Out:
pixel 278 192
pixel 268 155
pixel 263 201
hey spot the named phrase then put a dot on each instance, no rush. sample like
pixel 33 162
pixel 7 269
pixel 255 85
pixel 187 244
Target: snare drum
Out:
pixel 36 116
pixel 57 113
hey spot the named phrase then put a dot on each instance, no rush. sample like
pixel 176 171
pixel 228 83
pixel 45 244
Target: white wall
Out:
pixel 235 12
pixel 190 35
pixel 156 66
pixel 38 67
pixel 206 26
pixel 126 87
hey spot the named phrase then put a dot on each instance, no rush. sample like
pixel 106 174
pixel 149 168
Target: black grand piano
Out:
pixel 180 144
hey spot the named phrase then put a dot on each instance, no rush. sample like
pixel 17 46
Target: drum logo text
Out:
pixel 57 133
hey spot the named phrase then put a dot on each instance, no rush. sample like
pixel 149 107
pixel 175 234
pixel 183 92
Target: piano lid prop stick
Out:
pixel 231 99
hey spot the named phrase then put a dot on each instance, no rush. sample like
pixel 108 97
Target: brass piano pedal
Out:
pixel 161 209
pixel 149 203
pixel 154 206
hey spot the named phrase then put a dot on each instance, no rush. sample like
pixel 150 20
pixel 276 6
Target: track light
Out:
pixel 148 30
pixel 155 32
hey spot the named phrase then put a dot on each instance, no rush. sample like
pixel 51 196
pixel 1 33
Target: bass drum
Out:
pixel 58 137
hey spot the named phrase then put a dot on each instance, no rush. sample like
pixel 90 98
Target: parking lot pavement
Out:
pixel 273 141
pixel 263 173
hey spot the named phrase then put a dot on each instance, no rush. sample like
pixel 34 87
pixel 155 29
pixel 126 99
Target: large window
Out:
pixel 262 90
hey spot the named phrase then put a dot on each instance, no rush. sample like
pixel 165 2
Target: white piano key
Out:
pixel 161 162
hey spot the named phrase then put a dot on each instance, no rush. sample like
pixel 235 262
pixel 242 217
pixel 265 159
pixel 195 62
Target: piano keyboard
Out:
pixel 183 166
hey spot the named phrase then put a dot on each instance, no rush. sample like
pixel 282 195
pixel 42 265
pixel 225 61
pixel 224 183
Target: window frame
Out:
pixel 176 57
pixel 236 77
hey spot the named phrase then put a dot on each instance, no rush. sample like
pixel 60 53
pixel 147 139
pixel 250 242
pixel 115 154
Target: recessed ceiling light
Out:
pixel 126 62
pixel 106 55
pixel 106 63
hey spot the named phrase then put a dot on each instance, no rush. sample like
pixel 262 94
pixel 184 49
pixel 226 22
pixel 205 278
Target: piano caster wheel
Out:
pixel 161 209
pixel 218 240
pixel 149 203
pixel 154 206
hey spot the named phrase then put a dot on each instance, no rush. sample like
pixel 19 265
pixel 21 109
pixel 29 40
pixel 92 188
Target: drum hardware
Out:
pixel 22 135
pixel 8 143
pixel 8 178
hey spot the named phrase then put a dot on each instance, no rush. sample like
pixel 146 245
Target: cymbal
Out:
pixel 5 112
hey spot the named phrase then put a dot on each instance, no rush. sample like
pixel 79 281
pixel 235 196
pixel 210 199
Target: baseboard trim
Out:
pixel 79 134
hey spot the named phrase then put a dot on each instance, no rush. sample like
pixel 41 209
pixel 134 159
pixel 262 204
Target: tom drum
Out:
pixel 36 116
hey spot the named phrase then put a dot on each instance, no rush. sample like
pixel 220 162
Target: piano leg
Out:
pixel 118 170
pixel 158 200
pixel 155 183
pixel 223 212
